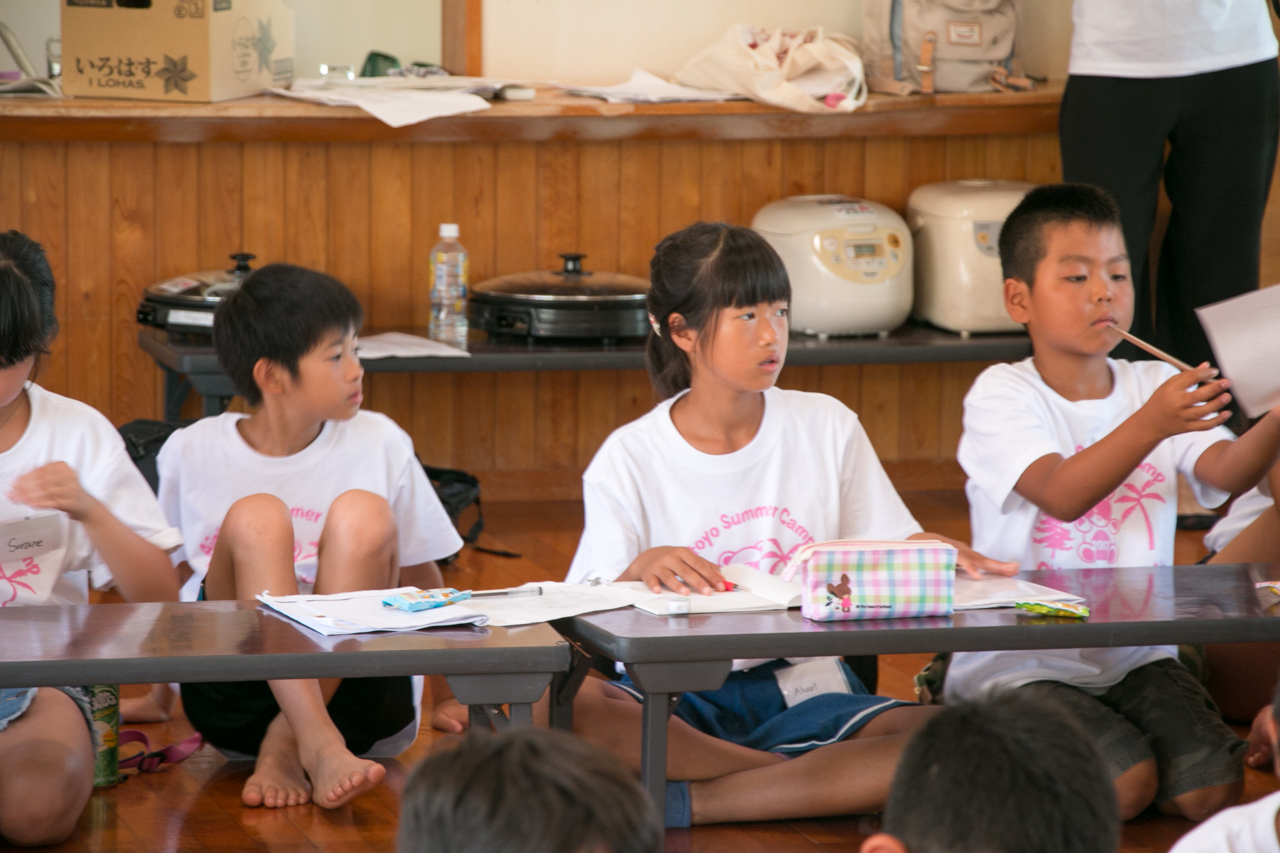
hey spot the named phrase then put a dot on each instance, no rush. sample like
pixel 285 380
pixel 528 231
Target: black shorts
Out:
pixel 234 715
pixel 1157 711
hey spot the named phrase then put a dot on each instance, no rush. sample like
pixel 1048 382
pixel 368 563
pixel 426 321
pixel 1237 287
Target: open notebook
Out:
pixel 759 591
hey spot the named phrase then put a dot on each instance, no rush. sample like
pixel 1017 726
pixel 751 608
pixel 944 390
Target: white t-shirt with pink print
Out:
pixel 1011 419
pixel 208 466
pixel 809 475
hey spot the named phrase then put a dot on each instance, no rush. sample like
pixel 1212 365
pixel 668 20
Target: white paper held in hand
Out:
pixel 1245 335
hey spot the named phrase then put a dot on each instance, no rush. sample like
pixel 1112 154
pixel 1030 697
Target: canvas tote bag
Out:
pixel 804 70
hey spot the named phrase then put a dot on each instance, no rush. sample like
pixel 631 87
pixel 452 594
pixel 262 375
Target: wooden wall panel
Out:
pixel 117 217
pixel 639 228
pixel 44 219
pixel 86 326
pixel 133 234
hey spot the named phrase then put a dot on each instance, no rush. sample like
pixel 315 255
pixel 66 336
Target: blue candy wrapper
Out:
pixel 425 599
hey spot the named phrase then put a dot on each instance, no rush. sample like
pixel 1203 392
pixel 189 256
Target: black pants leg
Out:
pixel 1222 130
pixel 1218 176
pixel 1112 132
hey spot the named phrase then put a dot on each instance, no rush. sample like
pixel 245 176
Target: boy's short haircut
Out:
pixel 1022 240
pixel 1003 775
pixel 526 791
pixel 280 313
pixel 27 318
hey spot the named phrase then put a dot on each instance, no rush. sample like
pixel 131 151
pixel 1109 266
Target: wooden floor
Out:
pixel 195 806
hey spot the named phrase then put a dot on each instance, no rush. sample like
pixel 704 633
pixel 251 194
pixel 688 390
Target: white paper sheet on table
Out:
pixel 992 592
pixel 363 612
pixel 558 601
pixel 646 88
pixel 1243 332
pixel 401 345
pixel 397 106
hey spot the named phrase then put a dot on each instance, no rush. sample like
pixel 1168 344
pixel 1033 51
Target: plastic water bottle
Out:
pixel 449 269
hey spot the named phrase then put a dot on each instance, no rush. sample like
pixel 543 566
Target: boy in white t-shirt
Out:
pixel 1072 461
pixel 308 493
pixel 1251 828
pixel 73 511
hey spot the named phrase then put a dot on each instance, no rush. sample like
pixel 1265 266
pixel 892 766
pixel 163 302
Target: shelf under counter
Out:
pixel 911 343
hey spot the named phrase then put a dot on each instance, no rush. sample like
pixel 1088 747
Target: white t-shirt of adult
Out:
pixel 1168 38
pixel 809 475
pixel 66 430
pixel 208 466
pixel 1244 511
pixel 1250 828
pixel 1011 419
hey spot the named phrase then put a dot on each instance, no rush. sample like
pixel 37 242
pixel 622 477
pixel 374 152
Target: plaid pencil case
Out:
pixel 874 580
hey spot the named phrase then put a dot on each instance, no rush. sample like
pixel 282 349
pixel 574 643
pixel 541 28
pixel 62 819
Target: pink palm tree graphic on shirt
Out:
pixel 1137 498
pixel 767 555
pixel 1054 536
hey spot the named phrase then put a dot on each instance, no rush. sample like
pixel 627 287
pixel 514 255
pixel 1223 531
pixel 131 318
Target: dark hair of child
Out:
pixel 280 313
pixel 1022 241
pixel 27 319
pixel 1004 775
pixel 526 791
pixel 694 273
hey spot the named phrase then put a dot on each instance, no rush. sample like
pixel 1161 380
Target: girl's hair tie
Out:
pixel 657 329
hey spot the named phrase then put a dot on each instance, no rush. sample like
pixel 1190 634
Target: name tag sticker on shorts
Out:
pixel 812 678
pixel 30 537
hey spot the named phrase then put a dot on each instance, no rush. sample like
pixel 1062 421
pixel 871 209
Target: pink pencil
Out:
pixel 1156 351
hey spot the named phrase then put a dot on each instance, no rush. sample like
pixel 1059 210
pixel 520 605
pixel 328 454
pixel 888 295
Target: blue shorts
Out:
pixel 749 710
pixel 14 702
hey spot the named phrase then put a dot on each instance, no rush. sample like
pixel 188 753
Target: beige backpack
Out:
pixel 941 46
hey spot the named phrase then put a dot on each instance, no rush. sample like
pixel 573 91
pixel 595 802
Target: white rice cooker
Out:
pixel 956 225
pixel 849 261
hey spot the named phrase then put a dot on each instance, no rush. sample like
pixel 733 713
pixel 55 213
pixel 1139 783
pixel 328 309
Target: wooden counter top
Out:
pixel 552 115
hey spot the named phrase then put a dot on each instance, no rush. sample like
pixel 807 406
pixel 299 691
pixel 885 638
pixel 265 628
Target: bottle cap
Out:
pixel 448 229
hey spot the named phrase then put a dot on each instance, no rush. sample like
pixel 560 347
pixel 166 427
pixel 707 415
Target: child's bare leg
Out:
pixel 1204 802
pixel 1136 788
pixel 358 550
pixel 850 777
pixel 611 718
pixel 46 756
pixel 254 552
pixel 155 707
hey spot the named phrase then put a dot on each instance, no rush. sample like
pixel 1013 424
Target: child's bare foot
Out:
pixel 278 778
pixel 337 776
pixel 155 707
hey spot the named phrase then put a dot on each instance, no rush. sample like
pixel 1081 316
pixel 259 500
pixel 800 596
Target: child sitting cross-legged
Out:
pixel 730 469
pixel 526 791
pixel 1072 461
pixel 1002 775
pixel 309 493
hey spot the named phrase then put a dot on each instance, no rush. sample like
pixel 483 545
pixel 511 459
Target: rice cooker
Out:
pixel 956 225
pixel 849 261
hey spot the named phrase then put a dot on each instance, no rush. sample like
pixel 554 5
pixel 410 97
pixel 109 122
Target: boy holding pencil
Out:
pixel 1072 461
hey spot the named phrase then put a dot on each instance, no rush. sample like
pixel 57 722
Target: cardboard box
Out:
pixel 176 50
